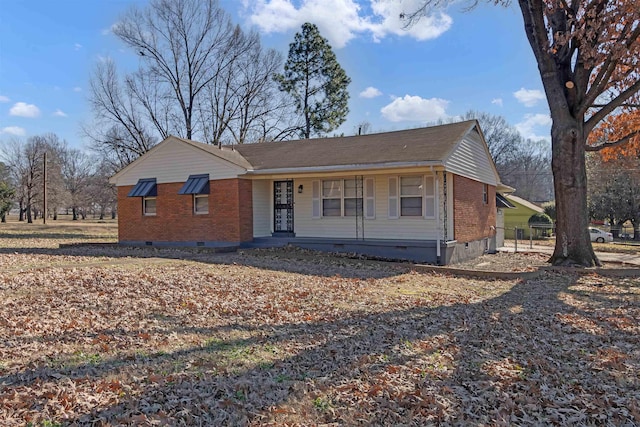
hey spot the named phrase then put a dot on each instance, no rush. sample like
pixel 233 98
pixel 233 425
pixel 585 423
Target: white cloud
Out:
pixel 370 92
pixel 59 113
pixel 22 109
pixel 497 101
pixel 535 125
pixel 107 31
pixel 77 89
pixel 13 130
pixel 529 97
pixel 415 108
pixel 342 20
pixel 77 46
pixel 4 98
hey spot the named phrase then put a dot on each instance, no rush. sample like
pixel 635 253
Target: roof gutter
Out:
pixel 341 168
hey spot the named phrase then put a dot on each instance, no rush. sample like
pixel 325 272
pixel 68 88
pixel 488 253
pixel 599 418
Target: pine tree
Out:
pixel 316 81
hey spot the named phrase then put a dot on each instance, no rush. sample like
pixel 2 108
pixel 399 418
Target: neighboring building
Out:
pixel 426 194
pixel 502 204
pixel 518 217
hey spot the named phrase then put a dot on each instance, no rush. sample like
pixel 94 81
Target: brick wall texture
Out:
pixel 230 217
pixel 472 218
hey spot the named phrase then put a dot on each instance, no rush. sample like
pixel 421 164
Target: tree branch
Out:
pixel 617 143
pixel 612 105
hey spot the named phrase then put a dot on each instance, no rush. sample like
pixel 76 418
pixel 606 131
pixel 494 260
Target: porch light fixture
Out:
pixel 300 188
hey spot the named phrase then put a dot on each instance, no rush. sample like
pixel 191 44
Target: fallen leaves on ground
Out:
pixel 279 337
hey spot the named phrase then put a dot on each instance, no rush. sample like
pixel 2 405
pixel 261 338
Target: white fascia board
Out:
pixel 343 168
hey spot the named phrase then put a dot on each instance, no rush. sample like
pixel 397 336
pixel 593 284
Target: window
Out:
pixel 147 190
pixel 149 206
pixel 198 187
pixel 332 197
pixel 342 197
pixel 485 194
pixel 352 205
pixel 412 196
pixel 200 203
pixel 411 190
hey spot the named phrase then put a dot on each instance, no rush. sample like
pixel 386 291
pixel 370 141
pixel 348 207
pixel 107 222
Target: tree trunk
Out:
pixel 75 214
pixel 573 244
pixel 21 212
pixel 4 218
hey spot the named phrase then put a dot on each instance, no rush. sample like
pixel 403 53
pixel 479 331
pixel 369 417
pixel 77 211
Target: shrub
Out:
pixel 540 219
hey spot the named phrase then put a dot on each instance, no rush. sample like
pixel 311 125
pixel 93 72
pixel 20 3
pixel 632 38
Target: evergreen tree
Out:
pixel 6 200
pixel 316 81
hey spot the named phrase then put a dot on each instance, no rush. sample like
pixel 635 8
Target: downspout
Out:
pixel 444 192
pixel 437 203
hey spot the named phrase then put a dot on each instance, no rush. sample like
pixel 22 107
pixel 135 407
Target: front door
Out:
pixel 283 207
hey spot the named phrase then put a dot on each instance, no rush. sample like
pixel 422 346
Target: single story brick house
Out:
pixel 425 194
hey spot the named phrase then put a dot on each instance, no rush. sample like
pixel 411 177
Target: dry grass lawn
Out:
pixel 114 336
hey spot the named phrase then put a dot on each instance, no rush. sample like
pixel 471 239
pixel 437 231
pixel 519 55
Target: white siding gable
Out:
pixel 471 159
pixel 174 161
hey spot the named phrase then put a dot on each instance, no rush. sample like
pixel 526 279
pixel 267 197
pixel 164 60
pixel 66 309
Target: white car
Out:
pixel 600 236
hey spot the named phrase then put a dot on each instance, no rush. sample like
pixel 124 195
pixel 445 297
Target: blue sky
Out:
pixel 440 68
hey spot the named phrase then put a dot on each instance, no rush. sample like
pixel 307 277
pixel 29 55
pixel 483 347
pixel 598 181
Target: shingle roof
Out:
pixel 412 145
pixel 229 155
pixel 524 202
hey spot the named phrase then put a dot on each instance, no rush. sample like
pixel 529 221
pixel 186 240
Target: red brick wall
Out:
pixel 230 217
pixel 472 218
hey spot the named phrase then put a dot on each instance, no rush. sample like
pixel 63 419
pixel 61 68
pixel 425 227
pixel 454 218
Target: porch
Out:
pixel 422 251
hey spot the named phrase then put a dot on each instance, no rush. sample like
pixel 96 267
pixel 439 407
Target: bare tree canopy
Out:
pixel 199 77
pixel 587 53
pixel 522 163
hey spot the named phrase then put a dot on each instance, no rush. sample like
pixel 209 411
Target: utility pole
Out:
pixel 44 188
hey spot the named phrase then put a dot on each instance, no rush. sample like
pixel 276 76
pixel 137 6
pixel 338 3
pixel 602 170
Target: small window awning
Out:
pixel 144 188
pixel 502 202
pixel 196 184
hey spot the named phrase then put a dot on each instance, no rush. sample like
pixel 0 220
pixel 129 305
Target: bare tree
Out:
pixel 77 171
pixel 587 54
pixel 504 140
pixel 26 164
pixel 120 126
pixel 103 196
pixel 259 99
pixel 528 170
pixel 179 42
pixel 363 128
pixel 199 76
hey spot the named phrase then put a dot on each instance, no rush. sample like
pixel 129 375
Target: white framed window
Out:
pixel 352 205
pixel 411 193
pixel 149 206
pixel 339 197
pixel 332 197
pixel 485 194
pixel 200 204
pixel 412 196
